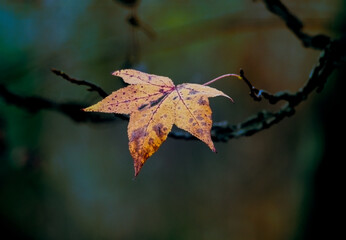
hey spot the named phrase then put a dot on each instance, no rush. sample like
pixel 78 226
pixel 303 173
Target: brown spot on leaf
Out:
pixel 199 117
pixel 202 101
pixel 138 133
pixel 199 131
pixel 192 92
pixel 158 128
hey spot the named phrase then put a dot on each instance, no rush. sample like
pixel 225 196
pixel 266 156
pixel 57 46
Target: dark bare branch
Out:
pixel 35 104
pixel 331 58
pixel 319 41
pixel 92 86
pixel 333 54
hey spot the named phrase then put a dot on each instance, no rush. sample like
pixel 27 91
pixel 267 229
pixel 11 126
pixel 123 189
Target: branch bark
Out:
pixel 293 23
pixel 333 54
pixel 35 104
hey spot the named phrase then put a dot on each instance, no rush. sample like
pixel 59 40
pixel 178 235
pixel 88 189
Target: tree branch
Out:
pixel 319 41
pixel 333 54
pixel 35 104
pixel 331 58
pixel 92 86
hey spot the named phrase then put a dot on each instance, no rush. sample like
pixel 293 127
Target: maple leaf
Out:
pixel 154 104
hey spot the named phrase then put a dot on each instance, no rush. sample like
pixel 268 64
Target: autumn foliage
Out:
pixel 154 104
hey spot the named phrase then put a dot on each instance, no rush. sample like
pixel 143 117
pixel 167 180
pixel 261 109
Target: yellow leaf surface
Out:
pixel 154 104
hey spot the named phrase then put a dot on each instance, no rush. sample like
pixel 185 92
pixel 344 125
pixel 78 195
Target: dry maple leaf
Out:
pixel 154 104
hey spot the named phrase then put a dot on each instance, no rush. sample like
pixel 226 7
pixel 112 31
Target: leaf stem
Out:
pixel 223 76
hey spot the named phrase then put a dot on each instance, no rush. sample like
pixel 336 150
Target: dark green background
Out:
pixel 65 180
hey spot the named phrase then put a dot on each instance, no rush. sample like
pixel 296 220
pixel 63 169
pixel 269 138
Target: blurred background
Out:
pixel 65 180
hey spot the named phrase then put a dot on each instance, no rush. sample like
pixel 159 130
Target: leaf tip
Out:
pixel 231 99
pixel 211 145
pixel 116 73
pixel 89 109
pixel 138 167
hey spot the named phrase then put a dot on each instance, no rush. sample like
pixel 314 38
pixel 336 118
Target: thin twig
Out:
pixel 293 23
pixel 220 77
pixel 333 54
pixel 35 104
pixel 93 87
pixel 331 58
